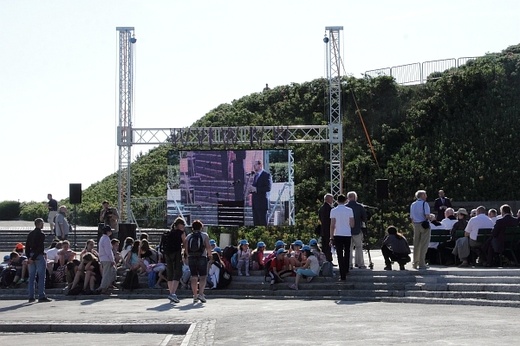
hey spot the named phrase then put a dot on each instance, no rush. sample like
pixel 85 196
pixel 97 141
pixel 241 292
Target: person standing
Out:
pixel 197 247
pixel 110 217
pixel 171 248
pixel 62 224
pixel 35 252
pixel 341 223
pixel 420 215
pixel 441 204
pixel 324 215
pixel 259 194
pixel 108 263
pixel 360 217
pixel 52 205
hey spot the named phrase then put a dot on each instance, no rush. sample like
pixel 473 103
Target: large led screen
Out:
pixel 234 187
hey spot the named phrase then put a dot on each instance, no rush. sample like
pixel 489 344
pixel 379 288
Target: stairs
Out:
pixel 499 287
pixel 438 285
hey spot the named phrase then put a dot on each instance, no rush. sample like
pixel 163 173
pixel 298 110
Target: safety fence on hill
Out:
pixel 419 73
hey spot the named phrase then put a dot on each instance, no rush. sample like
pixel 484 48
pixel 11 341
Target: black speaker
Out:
pixel 382 188
pixel 75 193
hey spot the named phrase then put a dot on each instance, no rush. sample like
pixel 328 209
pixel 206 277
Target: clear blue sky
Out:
pixel 58 72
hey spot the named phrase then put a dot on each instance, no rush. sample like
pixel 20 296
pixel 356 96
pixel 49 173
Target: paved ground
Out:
pixel 254 322
pixel 282 322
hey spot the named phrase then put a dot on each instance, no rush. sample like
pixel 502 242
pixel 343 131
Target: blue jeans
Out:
pixel 37 266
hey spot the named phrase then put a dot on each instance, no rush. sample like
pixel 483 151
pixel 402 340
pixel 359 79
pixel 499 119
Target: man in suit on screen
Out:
pixel 259 194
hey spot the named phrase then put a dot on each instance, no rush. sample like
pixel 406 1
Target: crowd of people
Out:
pixel 196 262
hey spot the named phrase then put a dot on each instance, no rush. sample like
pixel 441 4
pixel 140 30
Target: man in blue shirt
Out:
pixel 419 213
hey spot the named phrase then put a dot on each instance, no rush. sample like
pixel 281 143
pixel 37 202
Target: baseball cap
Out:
pixel 260 244
pixel 306 248
pixel 280 251
pixel 313 242
pixel 19 246
pixel 212 242
pixel 298 243
pixel 279 243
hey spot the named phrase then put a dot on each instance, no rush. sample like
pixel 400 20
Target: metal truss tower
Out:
pixel 124 129
pixel 333 61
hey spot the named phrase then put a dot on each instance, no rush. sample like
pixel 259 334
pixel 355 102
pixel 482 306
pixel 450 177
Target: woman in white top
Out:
pixel 310 269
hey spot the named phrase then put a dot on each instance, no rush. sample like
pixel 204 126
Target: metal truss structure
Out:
pixel 229 137
pixel 336 136
pixel 124 129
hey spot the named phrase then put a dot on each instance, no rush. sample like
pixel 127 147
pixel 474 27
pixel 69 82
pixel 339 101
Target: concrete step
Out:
pixel 513 296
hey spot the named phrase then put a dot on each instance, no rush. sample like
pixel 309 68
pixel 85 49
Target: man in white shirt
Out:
pixel 449 219
pixel 341 223
pixel 463 245
pixel 106 257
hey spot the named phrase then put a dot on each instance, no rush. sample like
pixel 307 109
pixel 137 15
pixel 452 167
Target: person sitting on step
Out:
pixel 279 267
pixel 395 248
pixel 296 256
pixel 309 269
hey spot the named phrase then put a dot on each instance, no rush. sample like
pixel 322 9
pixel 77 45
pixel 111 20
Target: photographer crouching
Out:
pixel 110 217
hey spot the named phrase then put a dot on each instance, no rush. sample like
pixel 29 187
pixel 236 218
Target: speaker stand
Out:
pixel 75 244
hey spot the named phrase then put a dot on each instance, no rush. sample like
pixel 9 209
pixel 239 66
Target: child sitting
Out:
pixel 243 256
pixel 257 256
pixel 20 264
pixel 296 256
pixel 309 269
pixel 279 268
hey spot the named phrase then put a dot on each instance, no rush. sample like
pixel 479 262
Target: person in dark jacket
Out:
pixel 441 204
pixel 395 249
pixel 34 250
pixel 324 215
pixel 259 194
pixel 496 244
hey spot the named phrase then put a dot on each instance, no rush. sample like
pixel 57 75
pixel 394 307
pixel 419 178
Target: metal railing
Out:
pixel 419 73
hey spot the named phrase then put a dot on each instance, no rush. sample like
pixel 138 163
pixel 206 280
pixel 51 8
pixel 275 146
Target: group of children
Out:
pixel 301 260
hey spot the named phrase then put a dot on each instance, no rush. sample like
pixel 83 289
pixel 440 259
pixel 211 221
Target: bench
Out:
pixel 440 235
pixel 512 240
pixel 484 234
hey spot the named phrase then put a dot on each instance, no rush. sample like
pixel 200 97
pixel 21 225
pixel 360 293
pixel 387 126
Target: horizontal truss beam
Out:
pixel 227 136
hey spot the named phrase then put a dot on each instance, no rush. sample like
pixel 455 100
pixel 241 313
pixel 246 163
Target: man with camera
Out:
pixel 110 217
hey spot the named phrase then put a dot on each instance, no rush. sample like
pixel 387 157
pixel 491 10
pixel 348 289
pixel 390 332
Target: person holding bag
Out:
pixel 420 215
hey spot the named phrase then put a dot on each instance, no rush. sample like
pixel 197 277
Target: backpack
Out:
pixel 7 277
pixel 228 252
pixel 169 243
pixel 326 269
pixel 224 278
pixel 131 281
pixel 196 244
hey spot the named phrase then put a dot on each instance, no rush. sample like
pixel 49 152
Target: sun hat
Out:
pixel 462 211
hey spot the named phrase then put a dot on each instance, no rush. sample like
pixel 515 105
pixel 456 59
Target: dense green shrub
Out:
pixel 9 210
pixel 32 210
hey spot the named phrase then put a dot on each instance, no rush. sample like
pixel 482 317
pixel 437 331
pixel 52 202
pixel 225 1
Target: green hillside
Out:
pixel 457 132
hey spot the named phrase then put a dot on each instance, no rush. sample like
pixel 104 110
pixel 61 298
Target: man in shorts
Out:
pixel 197 247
